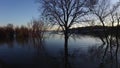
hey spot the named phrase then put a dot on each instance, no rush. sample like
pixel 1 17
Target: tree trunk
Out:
pixel 66 65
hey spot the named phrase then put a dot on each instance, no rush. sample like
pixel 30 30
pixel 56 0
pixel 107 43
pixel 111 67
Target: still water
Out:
pixel 84 51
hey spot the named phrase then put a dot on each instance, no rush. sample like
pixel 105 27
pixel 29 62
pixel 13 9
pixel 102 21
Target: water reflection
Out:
pixel 83 51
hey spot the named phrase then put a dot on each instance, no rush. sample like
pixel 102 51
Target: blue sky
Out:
pixel 18 12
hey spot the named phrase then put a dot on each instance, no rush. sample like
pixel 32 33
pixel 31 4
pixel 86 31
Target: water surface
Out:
pixel 84 52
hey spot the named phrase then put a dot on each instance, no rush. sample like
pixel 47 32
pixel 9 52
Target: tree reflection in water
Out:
pixel 104 55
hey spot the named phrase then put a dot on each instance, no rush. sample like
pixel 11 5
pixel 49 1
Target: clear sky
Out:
pixel 18 12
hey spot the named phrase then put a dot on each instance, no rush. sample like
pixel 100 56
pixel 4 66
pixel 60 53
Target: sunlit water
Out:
pixel 49 53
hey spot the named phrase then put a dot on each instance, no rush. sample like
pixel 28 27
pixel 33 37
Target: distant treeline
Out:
pixel 10 32
pixel 7 32
pixel 95 30
pixel 37 31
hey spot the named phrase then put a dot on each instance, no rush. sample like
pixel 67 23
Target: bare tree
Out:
pixel 64 13
pixel 102 10
pixel 36 29
pixel 10 30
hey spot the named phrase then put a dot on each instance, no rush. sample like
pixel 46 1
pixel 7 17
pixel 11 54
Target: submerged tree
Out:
pixel 10 30
pixel 65 13
pixel 36 29
pixel 102 11
pixel 21 32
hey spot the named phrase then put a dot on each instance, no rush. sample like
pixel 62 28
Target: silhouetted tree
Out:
pixel 3 33
pixel 21 32
pixel 10 30
pixel 36 29
pixel 64 13
pixel 102 11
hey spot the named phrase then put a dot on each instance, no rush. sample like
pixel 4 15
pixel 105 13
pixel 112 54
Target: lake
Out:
pixel 84 51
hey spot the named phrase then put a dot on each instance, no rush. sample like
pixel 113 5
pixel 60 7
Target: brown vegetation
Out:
pixel 10 32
